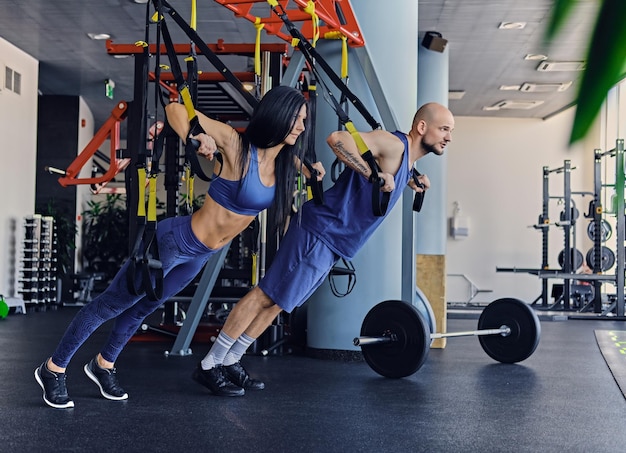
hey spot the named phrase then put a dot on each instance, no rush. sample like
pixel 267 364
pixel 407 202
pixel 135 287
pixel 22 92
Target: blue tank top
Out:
pixel 346 221
pixel 249 198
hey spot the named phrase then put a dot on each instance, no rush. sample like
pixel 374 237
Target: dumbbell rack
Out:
pixel 37 280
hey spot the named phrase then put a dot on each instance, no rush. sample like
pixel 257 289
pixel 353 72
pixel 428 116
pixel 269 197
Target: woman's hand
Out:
pixel 207 146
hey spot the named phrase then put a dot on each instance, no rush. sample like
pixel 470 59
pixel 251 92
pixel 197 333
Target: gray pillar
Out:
pixel 333 322
pixel 429 228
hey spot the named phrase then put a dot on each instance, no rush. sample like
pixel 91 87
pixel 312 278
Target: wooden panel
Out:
pixel 430 275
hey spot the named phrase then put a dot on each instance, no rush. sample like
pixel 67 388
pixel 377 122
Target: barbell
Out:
pixel 395 338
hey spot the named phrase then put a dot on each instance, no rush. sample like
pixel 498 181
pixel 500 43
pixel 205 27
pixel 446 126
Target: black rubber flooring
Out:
pixel 563 398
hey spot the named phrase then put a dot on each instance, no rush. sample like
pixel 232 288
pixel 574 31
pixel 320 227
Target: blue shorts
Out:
pixel 300 266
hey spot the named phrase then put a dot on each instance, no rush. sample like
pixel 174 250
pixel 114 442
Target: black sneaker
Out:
pixel 216 381
pixel 53 385
pixel 239 376
pixel 106 380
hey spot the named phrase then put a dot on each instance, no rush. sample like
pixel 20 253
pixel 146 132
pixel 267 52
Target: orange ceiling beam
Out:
pixel 335 16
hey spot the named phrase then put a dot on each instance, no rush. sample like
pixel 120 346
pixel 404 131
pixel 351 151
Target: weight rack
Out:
pixel 37 280
pixel 597 277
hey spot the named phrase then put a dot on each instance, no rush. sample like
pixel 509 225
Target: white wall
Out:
pixel 495 174
pixel 18 150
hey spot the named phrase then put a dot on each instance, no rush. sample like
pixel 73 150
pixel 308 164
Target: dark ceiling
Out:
pixel 482 57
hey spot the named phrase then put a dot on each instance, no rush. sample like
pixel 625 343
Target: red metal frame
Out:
pixel 325 9
pixel 220 48
pixel 110 129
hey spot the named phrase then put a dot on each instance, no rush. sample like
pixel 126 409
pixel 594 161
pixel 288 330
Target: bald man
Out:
pixel 325 233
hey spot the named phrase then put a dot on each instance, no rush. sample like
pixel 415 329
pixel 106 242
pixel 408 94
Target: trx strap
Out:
pixel 144 254
pixel 191 145
pixel 219 65
pixel 380 200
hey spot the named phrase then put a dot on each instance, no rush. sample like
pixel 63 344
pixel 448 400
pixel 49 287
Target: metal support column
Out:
pixel 597 222
pixel 198 303
pixel 619 192
pixel 568 250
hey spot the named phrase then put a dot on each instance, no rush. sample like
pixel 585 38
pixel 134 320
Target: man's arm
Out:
pixel 343 145
pixel 381 144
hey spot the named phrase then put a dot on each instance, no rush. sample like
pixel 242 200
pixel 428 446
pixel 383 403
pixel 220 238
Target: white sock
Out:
pixel 238 349
pixel 218 351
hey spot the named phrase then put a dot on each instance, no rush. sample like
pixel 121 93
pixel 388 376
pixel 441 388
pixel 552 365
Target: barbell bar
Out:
pixel 504 331
pixel 395 337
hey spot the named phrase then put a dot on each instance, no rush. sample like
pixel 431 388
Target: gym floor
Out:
pixel 563 398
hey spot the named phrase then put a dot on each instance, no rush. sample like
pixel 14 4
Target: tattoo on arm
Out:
pixel 350 160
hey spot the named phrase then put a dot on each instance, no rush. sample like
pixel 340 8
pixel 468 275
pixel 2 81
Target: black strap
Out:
pixel 347 270
pixel 141 257
pixel 380 199
pixel 313 57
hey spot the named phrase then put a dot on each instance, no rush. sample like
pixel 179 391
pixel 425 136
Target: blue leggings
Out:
pixel 182 256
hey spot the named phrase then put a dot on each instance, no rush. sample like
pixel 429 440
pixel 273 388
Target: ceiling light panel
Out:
pixel 547 66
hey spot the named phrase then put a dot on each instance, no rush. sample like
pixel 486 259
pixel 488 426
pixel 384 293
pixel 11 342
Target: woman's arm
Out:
pixel 225 137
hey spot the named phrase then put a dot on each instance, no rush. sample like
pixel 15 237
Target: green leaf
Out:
pixel 560 11
pixel 605 63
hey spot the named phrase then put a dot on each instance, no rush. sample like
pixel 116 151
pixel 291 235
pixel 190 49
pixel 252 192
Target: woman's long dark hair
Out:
pixel 271 122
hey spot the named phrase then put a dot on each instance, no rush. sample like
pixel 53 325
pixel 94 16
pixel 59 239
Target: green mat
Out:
pixel 612 344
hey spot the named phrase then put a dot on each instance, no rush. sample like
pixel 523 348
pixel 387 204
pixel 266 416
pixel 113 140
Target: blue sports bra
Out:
pixel 249 198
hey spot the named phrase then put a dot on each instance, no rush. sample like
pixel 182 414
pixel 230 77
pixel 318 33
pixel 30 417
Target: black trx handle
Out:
pixel 418 200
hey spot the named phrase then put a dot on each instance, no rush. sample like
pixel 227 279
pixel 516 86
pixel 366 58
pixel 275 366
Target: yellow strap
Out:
pixel 190 190
pixel 193 14
pixel 141 203
pixel 357 137
pixel 344 57
pixel 310 9
pixel 152 199
pixel 255 259
pixel 257 46
pixel 186 95
pixel 273 2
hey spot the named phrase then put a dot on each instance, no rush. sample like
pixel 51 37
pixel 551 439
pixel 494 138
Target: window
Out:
pixel 12 80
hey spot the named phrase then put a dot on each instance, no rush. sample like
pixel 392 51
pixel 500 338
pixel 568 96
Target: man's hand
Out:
pixel 422 179
pixel 389 183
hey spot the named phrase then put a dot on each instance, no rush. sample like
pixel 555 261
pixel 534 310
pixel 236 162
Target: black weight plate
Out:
pixel 576 259
pixel 607 258
pixel 405 355
pixel 524 325
pixel 605 230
